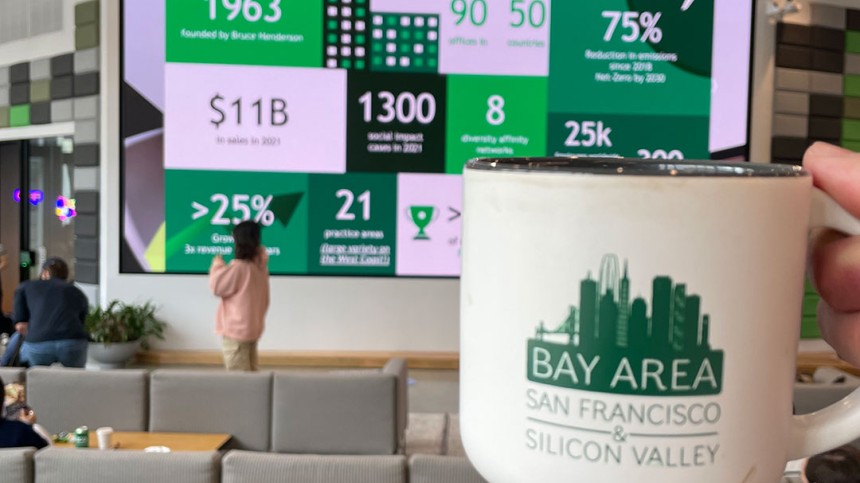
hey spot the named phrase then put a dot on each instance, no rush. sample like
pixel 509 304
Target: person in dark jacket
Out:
pixel 50 314
pixel 15 434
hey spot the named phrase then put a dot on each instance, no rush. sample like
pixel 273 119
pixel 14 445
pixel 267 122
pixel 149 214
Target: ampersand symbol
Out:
pixel 619 435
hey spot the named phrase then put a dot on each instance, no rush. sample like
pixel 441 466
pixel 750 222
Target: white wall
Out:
pixel 316 313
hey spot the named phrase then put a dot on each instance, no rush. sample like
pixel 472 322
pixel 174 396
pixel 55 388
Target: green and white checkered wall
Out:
pixel 816 97
pixel 817 91
pixel 58 89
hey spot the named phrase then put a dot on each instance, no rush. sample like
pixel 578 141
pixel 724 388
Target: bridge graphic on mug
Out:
pixel 612 344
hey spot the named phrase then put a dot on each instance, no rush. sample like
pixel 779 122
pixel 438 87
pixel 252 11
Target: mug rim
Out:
pixel 639 167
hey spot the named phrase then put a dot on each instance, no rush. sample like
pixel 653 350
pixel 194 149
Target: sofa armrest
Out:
pixel 17 464
pixel 398 367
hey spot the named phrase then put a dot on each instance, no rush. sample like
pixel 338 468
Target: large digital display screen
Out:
pixel 343 126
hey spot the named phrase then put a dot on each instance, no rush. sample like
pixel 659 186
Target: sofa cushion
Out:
pixel 334 413
pixel 453 440
pixel 442 469
pixel 237 403
pixel 67 465
pixel 65 398
pixel 16 465
pixel 426 433
pixel 251 467
pixel 12 374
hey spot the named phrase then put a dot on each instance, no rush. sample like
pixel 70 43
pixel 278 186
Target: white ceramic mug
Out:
pixel 630 320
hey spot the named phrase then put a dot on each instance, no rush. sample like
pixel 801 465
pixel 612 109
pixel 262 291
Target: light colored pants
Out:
pixel 239 355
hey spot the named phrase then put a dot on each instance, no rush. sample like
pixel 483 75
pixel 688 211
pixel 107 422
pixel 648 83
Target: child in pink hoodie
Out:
pixel 243 286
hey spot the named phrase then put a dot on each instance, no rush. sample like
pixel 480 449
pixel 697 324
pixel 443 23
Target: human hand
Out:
pixel 21 327
pixel 27 415
pixel 834 257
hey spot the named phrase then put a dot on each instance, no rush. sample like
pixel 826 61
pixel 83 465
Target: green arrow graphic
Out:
pixel 283 206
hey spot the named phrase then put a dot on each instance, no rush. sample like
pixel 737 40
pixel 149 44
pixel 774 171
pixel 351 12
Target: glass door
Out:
pixel 36 208
pixel 10 220
pixel 51 220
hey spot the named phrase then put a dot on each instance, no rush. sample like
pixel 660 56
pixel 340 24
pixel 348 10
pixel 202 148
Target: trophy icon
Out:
pixel 422 216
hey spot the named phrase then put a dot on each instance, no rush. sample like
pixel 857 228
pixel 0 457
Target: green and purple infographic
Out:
pixel 343 126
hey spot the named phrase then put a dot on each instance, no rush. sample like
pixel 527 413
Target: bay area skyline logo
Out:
pixel 611 344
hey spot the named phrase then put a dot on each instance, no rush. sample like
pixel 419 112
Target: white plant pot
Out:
pixel 113 355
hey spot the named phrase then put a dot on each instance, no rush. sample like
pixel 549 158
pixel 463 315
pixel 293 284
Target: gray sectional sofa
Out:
pixel 66 465
pixel 287 426
pixel 360 412
pixel 16 465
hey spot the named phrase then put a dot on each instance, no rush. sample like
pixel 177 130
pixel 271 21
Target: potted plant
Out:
pixel 119 329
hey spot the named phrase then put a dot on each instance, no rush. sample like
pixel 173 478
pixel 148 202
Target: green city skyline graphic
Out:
pixel 611 343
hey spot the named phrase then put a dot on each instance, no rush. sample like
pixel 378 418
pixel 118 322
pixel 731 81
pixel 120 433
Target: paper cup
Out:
pixel 104 435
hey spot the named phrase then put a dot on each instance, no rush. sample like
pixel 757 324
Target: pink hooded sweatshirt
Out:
pixel 243 286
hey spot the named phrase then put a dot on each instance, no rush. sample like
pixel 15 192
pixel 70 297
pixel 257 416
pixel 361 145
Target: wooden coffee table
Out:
pixel 139 440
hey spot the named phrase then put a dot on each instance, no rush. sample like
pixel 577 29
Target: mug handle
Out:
pixel 838 423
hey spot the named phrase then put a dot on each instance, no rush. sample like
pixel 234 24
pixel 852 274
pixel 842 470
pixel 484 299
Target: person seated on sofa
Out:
pixel 15 399
pixel 840 465
pixel 24 413
pixel 15 433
